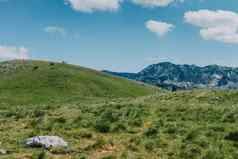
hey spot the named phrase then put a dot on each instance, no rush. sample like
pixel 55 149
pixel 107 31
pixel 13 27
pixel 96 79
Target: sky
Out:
pixel 120 35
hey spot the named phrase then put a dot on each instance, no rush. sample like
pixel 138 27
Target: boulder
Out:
pixel 46 142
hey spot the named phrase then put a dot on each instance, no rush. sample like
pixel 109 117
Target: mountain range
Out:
pixel 180 77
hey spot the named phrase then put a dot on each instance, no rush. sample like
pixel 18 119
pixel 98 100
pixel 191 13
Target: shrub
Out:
pixel 171 129
pixel 35 68
pixel 192 135
pixel 84 123
pixel 217 128
pixel 233 136
pixel 136 122
pixel 109 157
pixel 82 156
pixel 134 112
pixel 61 120
pixel 39 155
pixel 34 123
pixel 191 151
pixel 151 144
pixel 38 113
pixel 100 142
pixel 151 132
pixel 85 134
pixel 51 63
pixel 213 153
pixel 102 126
pixel 59 150
pixel 110 115
pixel 230 117
pixel 103 123
pixel 118 127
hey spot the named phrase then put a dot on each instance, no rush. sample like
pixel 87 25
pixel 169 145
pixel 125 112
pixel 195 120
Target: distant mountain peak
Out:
pixel 165 63
pixel 173 76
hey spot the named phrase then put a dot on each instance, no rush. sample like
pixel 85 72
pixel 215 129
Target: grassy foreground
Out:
pixel 199 124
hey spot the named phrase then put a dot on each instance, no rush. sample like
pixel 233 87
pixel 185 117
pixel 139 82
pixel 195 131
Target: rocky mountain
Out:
pixel 175 77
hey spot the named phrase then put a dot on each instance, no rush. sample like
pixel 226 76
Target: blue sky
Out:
pixel 123 35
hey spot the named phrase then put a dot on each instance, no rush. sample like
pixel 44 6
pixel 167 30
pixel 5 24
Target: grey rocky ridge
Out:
pixel 176 77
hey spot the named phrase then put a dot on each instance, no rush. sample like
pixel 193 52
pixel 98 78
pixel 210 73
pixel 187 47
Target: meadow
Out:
pixel 128 121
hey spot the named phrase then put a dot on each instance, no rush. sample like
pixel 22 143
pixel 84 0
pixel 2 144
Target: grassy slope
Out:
pixel 199 124
pixel 34 82
pixel 181 125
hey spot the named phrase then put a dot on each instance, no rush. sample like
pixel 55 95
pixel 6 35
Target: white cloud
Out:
pixel 55 30
pixel 215 25
pixel 90 6
pixel 153 3
pixel 94 5
pixel 158 27
pixel 158 59
pixel 12 52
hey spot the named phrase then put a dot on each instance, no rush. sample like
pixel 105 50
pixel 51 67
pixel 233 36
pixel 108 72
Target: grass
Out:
pixel 35 82
pixel 197 124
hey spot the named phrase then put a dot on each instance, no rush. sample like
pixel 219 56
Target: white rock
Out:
pixel 46 141
pixel 3 152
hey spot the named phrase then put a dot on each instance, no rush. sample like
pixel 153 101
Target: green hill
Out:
pixel 104 117
pixel 29 82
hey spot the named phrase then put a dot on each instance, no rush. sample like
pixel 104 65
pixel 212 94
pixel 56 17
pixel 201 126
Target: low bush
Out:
pixel 233 136
pixel 103 126
pixel 151 132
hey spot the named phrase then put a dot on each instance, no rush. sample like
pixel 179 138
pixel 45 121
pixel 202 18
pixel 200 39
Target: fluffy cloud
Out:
pixel 94 5
pixel 11 52
pixel 55 30
pixel 153 3
pixel 215 25
pixel 113 5
pixel 158 27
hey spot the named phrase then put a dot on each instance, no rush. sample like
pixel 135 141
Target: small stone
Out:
pixel 3 152
pixel 46 142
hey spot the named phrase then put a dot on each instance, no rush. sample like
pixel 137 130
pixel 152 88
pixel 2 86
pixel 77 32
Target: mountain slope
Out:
pixel 172 76
pixel 24 82
pixel 197 124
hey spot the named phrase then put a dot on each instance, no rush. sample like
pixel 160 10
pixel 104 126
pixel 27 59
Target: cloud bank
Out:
pixel 12 52
pixel 158 27
pixel 217 25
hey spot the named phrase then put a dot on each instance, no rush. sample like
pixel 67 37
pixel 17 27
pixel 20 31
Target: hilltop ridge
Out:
pixel 42 81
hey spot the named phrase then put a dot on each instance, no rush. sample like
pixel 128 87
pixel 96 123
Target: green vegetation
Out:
pixel 198 124
pixel 35 82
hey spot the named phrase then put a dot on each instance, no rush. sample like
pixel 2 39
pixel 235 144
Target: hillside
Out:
pixel 199 124
pixel 174 77
pixel 105 117
pixel 29 82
